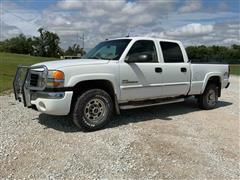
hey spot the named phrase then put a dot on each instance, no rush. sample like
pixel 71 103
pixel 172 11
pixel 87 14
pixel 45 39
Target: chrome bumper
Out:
pixel 22 85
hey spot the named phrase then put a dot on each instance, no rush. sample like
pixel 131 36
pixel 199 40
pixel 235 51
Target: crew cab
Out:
pixel 122 73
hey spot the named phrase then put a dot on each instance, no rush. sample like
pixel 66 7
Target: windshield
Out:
pixel 108 50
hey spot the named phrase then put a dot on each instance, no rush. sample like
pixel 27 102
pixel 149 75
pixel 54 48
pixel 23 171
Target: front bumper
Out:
pixel 49 102
pixel 52 105
pixel 23 86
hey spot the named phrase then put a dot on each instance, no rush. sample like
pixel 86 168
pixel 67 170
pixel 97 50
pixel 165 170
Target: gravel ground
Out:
pixel 171 142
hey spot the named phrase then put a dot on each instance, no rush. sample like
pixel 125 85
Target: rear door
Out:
pixel 141 80
pixel 175 72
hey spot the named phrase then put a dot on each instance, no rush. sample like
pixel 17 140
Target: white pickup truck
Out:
pixel 117 74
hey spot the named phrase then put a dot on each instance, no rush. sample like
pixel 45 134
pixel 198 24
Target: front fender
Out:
pixel 97 76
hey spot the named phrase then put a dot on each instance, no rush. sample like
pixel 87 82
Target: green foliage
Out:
pixel 46 45
pixel 214 53
pixel 20 44
pixel 74 50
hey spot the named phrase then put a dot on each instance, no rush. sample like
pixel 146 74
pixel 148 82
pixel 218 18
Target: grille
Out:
pixel 34 80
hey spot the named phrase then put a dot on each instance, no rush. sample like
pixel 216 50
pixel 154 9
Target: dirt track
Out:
pixel 170 141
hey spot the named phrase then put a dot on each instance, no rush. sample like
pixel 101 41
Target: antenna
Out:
pixel 82 38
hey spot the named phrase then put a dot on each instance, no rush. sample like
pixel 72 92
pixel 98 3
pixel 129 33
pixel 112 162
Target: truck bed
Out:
pixel 200 74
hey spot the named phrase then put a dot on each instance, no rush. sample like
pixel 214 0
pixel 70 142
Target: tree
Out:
pixel 47 44
pixel 214 53
pixel 20 44
pixel 74 50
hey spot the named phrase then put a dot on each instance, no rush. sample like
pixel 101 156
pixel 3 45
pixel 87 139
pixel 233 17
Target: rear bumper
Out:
pixel 54 106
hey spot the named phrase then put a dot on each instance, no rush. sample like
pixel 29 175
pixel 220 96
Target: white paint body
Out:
pixel 149 84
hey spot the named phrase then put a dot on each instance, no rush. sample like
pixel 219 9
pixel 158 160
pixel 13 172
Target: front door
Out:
pixel 140 78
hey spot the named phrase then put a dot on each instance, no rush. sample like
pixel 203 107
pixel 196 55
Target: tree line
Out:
pixel 220 54
pixel 47 44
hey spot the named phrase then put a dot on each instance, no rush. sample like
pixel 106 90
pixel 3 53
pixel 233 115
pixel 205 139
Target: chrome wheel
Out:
pixel 95 111
pixel 211 97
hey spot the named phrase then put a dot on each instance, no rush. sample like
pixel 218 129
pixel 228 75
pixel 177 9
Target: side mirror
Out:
pixel 138 58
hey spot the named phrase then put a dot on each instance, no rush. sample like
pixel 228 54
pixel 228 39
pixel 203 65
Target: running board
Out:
pixel 136 105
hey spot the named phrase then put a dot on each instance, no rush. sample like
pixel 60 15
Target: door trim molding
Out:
pixel 132 86
pixel 171 84
pixel 154 85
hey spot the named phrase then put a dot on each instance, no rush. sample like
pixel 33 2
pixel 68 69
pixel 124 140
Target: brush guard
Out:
pixel 22 82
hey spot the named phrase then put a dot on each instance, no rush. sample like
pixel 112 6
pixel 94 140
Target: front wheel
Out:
pixel 208 100
pixel 93 110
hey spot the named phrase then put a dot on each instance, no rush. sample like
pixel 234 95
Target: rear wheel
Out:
pixel 93 109
pixel 208 100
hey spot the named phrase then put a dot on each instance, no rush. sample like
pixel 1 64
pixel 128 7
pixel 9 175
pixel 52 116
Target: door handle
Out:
pixel 183 69
pixel 158 70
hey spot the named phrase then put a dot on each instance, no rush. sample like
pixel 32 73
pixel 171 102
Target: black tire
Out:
pixel 93 110
pixel 208 100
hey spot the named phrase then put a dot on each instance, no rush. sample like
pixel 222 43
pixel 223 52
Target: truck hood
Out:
pixel 73 62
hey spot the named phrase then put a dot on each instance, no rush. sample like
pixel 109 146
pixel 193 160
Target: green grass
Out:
pixel 8 66
pixel 235 69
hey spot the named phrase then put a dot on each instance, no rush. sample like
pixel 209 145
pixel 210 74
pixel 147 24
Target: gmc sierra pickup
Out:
pixel 117 74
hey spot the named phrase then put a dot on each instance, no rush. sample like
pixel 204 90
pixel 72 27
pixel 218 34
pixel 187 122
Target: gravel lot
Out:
pixel 171 141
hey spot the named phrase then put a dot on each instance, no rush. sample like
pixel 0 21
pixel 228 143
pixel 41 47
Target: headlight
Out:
pixel 55 79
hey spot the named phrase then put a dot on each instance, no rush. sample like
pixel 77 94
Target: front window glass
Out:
pixel 146 47
pixel 108 50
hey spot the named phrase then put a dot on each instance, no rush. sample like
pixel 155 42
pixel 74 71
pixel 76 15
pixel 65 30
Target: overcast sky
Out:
pixel 193 22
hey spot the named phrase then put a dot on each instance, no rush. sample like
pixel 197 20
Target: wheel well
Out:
pixel 83 86
pixel 217 81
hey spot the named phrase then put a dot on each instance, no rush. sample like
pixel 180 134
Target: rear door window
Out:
pixel 171 52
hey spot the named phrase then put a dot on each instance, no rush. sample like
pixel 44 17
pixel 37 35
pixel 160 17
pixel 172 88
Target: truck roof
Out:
pixel 147 38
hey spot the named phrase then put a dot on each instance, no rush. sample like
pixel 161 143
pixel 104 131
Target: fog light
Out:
pixel 42 106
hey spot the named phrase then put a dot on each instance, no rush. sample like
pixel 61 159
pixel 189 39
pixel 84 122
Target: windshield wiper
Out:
pixel 93 57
